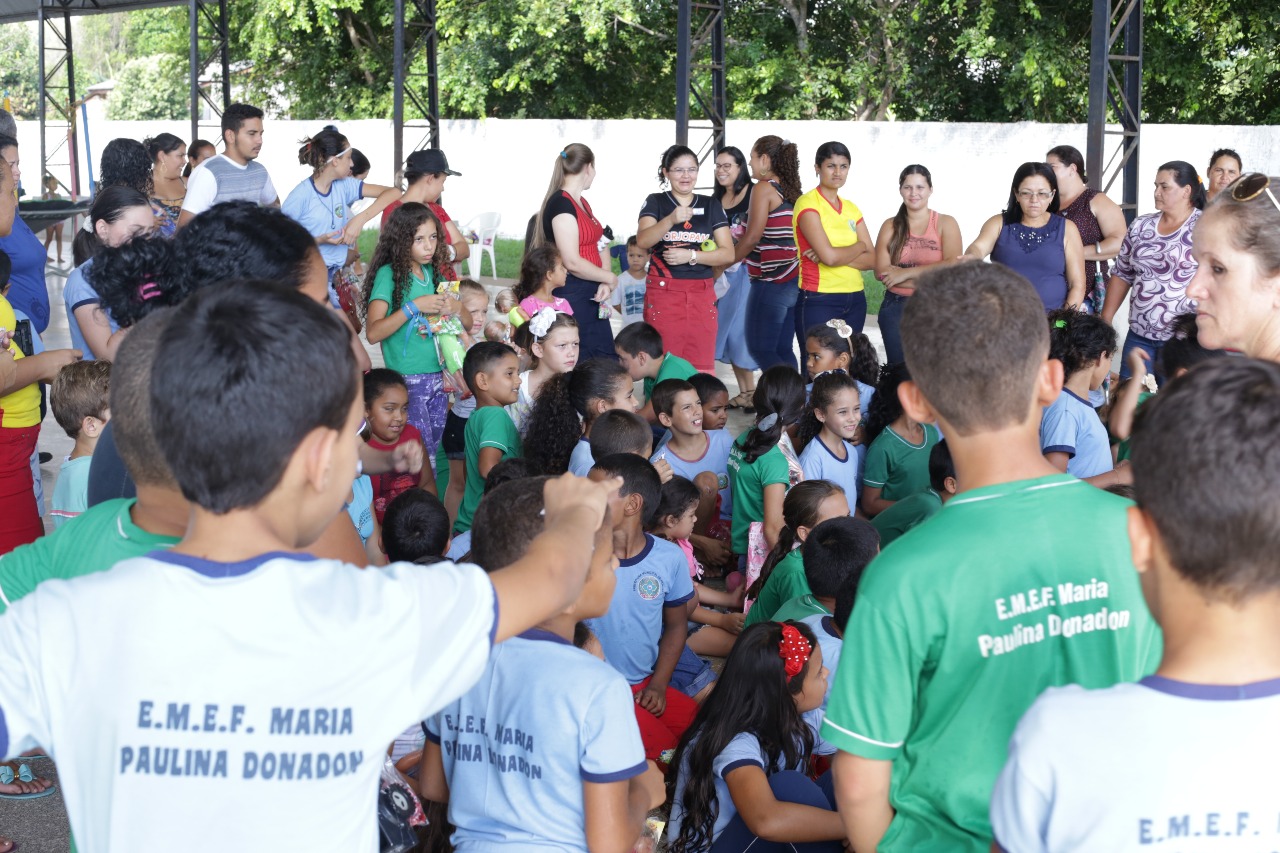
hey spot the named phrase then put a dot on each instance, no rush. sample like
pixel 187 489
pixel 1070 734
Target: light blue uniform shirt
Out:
pixel 581 461
pixel 361 507
pixel 648 583
pixel 744 750
pixel 715 459
pixel 819 463
pixel 460 546
pixel 1071 426
pixel 865 393
pixel 76 293
pixel 543 718
pixel 323 213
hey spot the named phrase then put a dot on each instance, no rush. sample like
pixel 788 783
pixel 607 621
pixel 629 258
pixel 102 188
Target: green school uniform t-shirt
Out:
pixel 488 426
pixel 785 582
pixel 407 351
pixel 799 608
pixel 897 466
pixel 93 541
pixel 747 481
pixel 672 367
pixel 906 514
pixel 957 629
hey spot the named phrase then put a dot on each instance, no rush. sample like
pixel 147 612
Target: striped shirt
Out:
pixel 774 258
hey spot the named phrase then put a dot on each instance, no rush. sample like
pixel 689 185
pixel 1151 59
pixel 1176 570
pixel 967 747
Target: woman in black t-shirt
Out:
pixel 566 221
pixel 686 235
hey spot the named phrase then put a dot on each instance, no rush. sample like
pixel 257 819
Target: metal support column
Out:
pixel 700 74
pixel 415 35
pixel 217 40
pixel 57 92
pixel 1115 80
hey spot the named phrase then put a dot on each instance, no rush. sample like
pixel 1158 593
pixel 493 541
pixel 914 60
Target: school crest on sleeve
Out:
pixel 648 587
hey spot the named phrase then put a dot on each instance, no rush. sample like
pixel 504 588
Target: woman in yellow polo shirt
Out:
pixel 834 245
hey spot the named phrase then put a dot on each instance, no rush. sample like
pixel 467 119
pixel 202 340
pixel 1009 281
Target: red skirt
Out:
pixel 19 517
pixel 684 313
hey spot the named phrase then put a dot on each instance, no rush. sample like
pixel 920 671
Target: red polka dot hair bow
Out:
pixel 794 651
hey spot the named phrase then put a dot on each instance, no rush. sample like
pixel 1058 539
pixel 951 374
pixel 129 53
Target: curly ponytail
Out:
pixel 784 162
pixel 1078 340
pixel 563 409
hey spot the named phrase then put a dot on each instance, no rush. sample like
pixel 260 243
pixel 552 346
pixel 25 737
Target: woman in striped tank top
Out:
pixel 914 239
pixel 769 248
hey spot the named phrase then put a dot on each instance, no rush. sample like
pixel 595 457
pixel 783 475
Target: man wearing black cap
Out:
pixel 425 172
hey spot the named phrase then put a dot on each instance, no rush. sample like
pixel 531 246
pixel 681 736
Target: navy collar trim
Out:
pixel 1073 394
pixel 212 569
pixel 1213 692
pixel 644 552
pixel 542 635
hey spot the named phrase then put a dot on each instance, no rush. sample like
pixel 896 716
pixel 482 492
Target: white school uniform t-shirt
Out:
pixel 714 459
pixel 648 583
pixel 1160 765
pixel 544 718
pixel 234 706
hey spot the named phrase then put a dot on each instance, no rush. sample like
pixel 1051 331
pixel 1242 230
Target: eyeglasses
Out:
pixel 1041 195
pixel 684 171
pixel 724 167
pixel 1250 186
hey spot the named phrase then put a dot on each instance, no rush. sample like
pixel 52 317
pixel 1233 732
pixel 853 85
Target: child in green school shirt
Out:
pixel 492 372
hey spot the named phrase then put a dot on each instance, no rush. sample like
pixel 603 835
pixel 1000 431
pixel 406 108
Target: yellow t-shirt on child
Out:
pixel 19 408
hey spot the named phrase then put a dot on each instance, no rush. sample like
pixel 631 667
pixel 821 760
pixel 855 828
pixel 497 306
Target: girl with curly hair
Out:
pixel 399 299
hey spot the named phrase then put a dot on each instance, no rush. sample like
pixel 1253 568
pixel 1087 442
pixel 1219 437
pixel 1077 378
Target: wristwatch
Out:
pixel 693 257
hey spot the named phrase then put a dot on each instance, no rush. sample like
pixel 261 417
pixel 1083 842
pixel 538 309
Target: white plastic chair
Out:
pixel 485 226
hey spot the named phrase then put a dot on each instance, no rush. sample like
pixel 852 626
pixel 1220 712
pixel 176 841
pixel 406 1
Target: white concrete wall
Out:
pixel 506 164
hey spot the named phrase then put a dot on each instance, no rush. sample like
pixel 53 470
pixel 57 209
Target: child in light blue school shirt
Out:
pixel 648 583
pixel 1071 426
pixel 715 460
pixel 819 463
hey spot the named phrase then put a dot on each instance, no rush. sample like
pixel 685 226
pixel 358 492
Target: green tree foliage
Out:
pixel 150 87
pixel 19 72
pixel 1215 61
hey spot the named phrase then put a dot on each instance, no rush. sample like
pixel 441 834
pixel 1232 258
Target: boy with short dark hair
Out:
pixel 836 553
pixel 644 632
pixel 959 626
pixel 618 431
pixel 80 403
pixel 641 351
pixel 492 372
pixel 512 468
pixel 249 685
pixel 415 528
pixel 698 455
pixel 1184 753
pixel 562 742
pixel 714 395
pixel 908 512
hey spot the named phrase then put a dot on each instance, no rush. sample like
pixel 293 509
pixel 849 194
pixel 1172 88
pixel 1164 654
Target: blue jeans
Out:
pixel 1152 348
pixel 890 319
pixel 770 320
pixel 788 786
pixel 815 309
pixel 594 335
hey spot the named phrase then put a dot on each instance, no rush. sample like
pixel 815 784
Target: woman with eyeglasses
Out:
pixel 835 247
pixel 1237 283
pixel 733 191
pixel 686 235
pixel 1156 263
pixel 1029 239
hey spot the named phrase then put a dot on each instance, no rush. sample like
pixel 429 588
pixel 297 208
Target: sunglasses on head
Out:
pixel 1250 186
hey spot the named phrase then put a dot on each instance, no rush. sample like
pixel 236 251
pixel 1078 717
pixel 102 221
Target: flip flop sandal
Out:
pixel 25 775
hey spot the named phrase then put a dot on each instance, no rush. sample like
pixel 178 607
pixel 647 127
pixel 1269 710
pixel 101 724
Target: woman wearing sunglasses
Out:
pixel 1156 264
pixel 1029 239
pixel 1237 283
pixel 686 235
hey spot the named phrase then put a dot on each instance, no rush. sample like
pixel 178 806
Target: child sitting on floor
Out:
pixel 79 399
pixel 743 764
pixel 714 395
pixel 644 356
pixel 782 577
pixel 620 431
pixel 909 512
pixel 829 432
pixel 559 425
pixel 589 785
pixel 898 452
pixel 644 632
pixel 711 632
